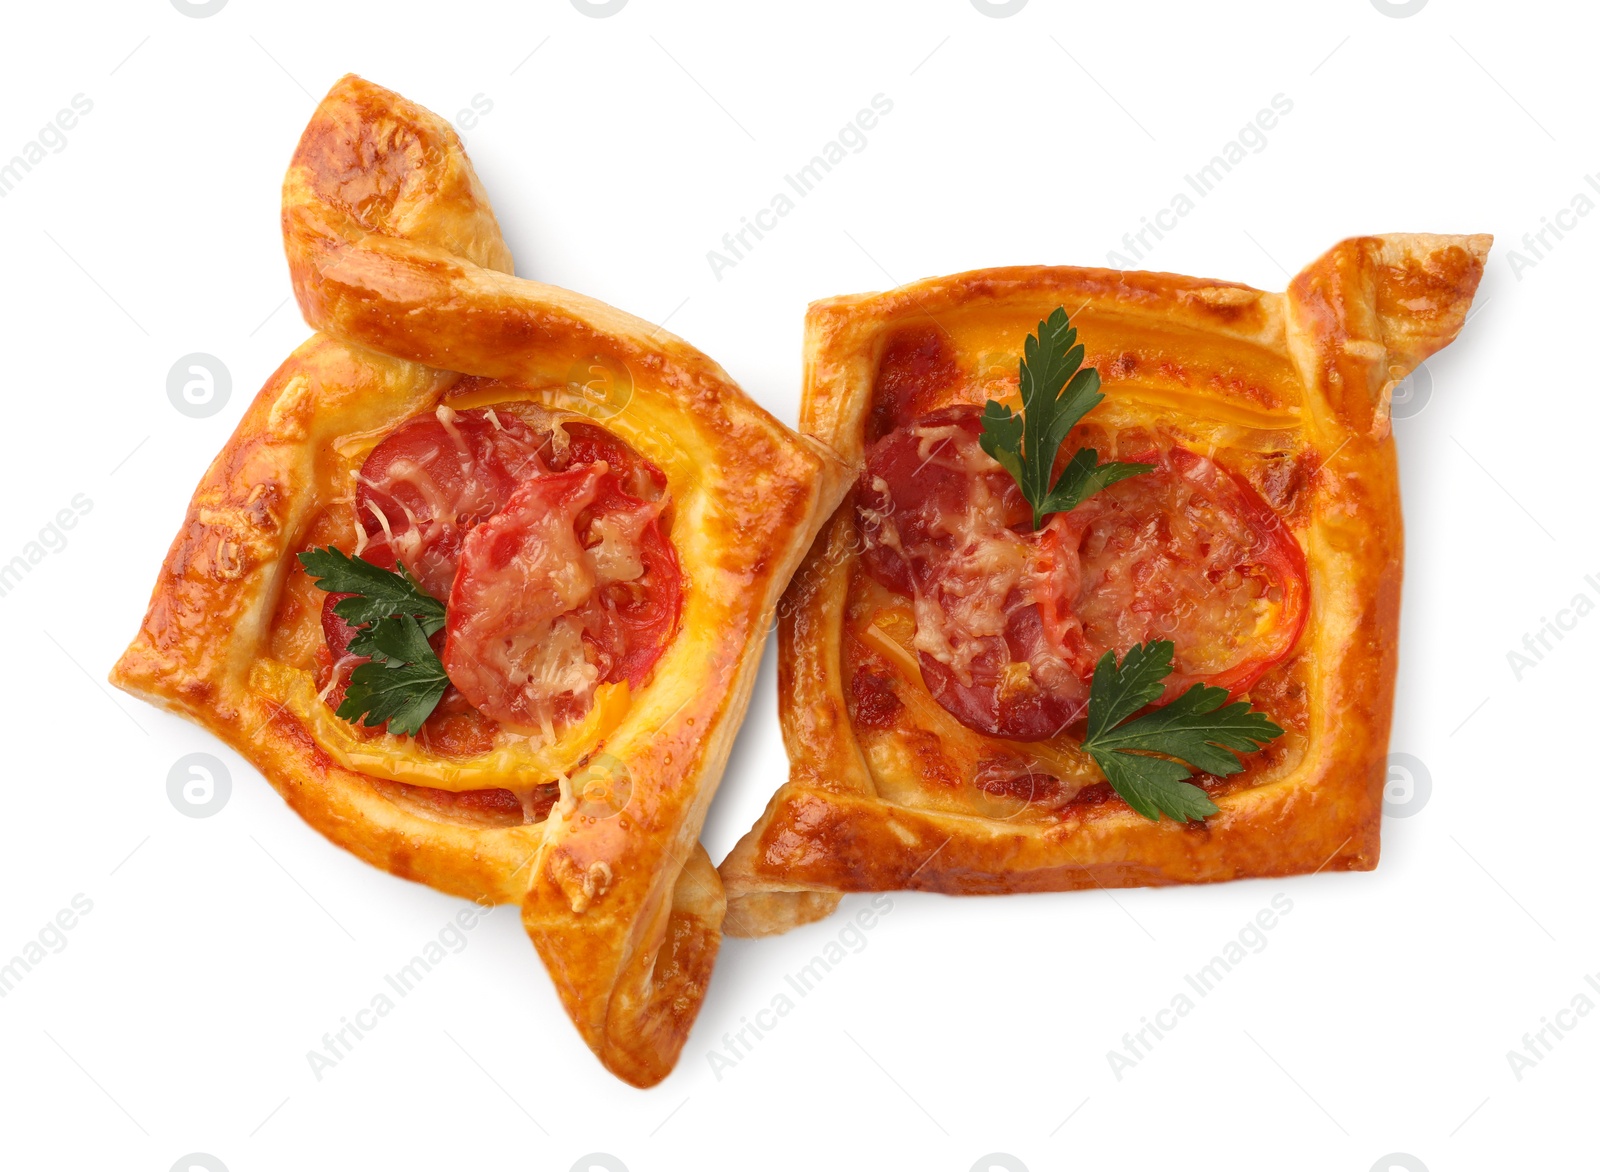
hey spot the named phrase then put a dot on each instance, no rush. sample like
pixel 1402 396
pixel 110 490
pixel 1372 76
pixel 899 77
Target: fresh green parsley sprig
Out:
pixel 1196 730
pixel 1056 394
pixel 394 615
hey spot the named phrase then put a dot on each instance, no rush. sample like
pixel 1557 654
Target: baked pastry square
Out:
pixel 1265 541
pixel 603 522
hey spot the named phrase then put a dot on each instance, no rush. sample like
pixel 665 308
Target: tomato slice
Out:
pixel 431 480
pixel 941 522
pixel 640 581
pixel 1010 623
pixel 572 584
pixel 1188 552
pixel 570 571
pixel 589 444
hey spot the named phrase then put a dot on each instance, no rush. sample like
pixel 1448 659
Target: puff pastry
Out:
pixel 397 260
pixel 1282 400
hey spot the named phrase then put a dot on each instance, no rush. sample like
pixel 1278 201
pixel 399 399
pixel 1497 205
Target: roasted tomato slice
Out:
pixel 1188 552
pixel 1010 623
pixel 589 444
pixel 640 581
pixel 571 582
pixel 941 523
pixel 431 480
pixel 570 585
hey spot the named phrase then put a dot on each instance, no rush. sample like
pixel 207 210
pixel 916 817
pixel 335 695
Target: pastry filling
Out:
pixel 549 551
pixel 1010 622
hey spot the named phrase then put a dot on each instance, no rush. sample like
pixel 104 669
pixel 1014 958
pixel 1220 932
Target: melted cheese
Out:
pixel 383 523
pixel 949 445
pixel 617 555
pixel 550 578
pixel 975 570
pixel 520 645
pixel 969 596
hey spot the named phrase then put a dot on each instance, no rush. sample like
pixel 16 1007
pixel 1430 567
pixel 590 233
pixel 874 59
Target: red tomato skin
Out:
pixel 469 479
pixel 1288 561
pixel 1276 552
pixel 624 638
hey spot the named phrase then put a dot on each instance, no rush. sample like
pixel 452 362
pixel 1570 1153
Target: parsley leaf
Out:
pixel 1056 394
pixel 380 592
pixel 1198 727
pixel 394 617
pixel 403 682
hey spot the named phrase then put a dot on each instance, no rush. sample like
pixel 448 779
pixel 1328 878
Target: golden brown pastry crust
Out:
pixel 1290 389
pixel 396 257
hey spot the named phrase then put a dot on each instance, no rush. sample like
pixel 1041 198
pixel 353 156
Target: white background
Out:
pixel 1378 1016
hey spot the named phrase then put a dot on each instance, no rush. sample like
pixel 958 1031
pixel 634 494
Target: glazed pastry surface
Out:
pixel 1289 393
pixel 398 262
